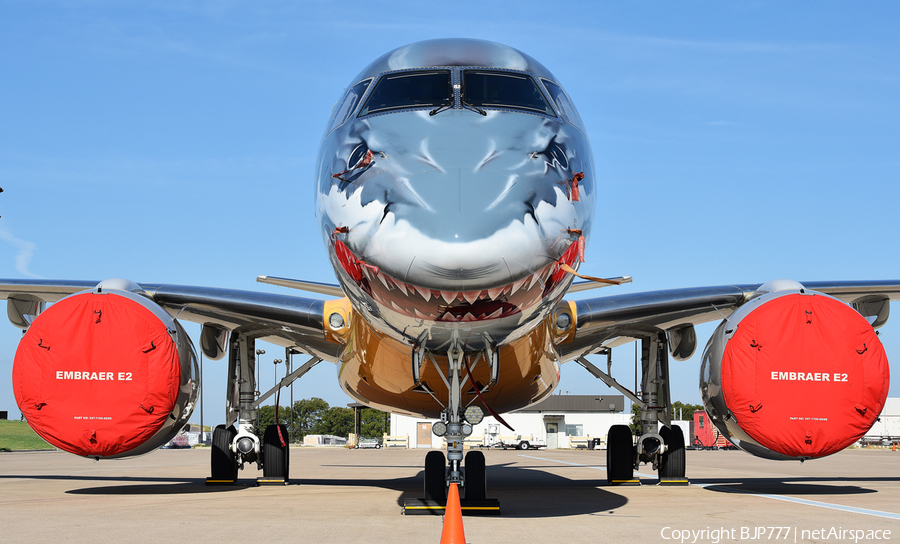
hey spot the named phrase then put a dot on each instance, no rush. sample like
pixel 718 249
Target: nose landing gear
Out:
pixel 455 425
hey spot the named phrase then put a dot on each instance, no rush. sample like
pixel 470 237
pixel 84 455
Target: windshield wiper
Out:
pixel 473 108
pixel 439 109
pixel 446 106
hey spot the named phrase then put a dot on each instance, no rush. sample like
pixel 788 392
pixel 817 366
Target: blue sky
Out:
pixel 174 142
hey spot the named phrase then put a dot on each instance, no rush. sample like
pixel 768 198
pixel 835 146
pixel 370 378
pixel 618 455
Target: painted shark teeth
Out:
pixel 494 294
pixel 459 306
pixel 471 296
pixel 424 293
pixel 517 285
pixel 383 280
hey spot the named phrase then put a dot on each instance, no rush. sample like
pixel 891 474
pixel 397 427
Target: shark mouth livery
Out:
pixel 455 192
pixel 427 304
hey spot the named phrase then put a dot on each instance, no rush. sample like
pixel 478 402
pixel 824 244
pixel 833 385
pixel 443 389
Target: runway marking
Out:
pixel 807 502
pixel 831 506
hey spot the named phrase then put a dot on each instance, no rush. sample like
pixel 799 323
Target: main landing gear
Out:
pixel 455 425
pixel 235 443
pixel 656 442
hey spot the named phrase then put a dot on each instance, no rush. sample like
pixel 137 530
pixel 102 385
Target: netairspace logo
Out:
pixel 785 534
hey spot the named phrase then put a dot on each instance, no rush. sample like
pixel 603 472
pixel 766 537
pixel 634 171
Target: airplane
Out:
pixel 455 192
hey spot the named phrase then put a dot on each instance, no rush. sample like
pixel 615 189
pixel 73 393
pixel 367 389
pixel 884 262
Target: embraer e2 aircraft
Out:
pixel 455 191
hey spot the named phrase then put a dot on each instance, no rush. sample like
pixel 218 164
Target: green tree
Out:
pixel 635 418
pixel 337 421
pixel 307 414
pixel 687 410
pixel 267 417
pixel 375 423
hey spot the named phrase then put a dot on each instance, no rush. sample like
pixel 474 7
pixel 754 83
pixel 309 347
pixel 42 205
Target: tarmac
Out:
pixel 340 495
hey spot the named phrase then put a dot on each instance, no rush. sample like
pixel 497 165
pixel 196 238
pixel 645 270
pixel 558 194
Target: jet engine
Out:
pixel 794 374
pixel 106 373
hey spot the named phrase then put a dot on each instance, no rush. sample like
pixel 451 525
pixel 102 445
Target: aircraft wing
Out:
pixel 615 320
pixel 285 320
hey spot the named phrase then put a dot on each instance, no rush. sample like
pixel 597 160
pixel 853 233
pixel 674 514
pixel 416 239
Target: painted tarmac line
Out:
pixel 795 500
pixel 807 502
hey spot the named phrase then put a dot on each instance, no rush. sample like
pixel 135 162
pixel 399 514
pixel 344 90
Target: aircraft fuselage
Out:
pixel 453 179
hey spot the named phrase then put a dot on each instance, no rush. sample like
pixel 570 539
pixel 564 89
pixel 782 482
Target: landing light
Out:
pixel 336 321
pixel 474 414
pixel 563 321
pixel 439 428
pixel 245 445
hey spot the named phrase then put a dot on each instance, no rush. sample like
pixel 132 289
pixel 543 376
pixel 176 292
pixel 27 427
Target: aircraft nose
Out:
pixel 457 198
pixel 466 212
pixel 461 204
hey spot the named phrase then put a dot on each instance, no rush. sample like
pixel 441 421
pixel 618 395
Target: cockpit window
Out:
pixel 506 90
pixel 348 103
pixel 563 104
pixel 404 90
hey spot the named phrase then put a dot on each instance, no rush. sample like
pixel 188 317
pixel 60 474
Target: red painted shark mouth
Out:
pixel 453 306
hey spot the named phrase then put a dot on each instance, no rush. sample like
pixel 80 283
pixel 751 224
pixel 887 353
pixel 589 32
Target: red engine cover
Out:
pixel 96 374
pixel 805 375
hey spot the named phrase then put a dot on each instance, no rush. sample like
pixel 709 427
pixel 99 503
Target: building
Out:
pixel 559 421
pixel 887 427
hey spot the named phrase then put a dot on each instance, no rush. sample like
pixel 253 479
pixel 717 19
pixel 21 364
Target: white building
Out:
pixel 552 421
pixel 888 424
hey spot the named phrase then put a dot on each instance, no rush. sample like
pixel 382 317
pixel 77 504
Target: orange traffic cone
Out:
pixel 453 526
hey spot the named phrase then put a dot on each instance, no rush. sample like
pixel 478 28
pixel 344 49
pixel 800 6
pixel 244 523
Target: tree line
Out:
pixel 315 416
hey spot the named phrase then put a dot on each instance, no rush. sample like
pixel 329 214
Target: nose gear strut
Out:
pixel 454 427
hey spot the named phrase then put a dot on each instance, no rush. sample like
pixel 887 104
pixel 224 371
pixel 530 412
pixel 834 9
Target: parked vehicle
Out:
pixel 368 443
pixel 492 439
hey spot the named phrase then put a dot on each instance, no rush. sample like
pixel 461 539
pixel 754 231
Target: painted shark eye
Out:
pixel 558 155
pixel 360 157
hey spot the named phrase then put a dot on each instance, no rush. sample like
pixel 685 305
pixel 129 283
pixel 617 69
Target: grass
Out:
pixel 17 435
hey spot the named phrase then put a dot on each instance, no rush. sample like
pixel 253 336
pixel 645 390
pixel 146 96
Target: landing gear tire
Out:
pixel 619 454
pixel 476 477
pixel 223 464
pixel 524 445
pixel 276 458
pixel 435 477
pixel 672 463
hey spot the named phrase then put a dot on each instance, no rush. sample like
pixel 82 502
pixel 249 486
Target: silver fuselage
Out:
pixel 450 222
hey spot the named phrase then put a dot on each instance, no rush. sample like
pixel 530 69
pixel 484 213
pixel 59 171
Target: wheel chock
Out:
pixel 674 481
pixel 422 507
pixel 270 480
pixel 218 481
pixel 626 482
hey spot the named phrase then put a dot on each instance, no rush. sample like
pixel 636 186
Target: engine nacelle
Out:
pixel 794 374
pixel 106 373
